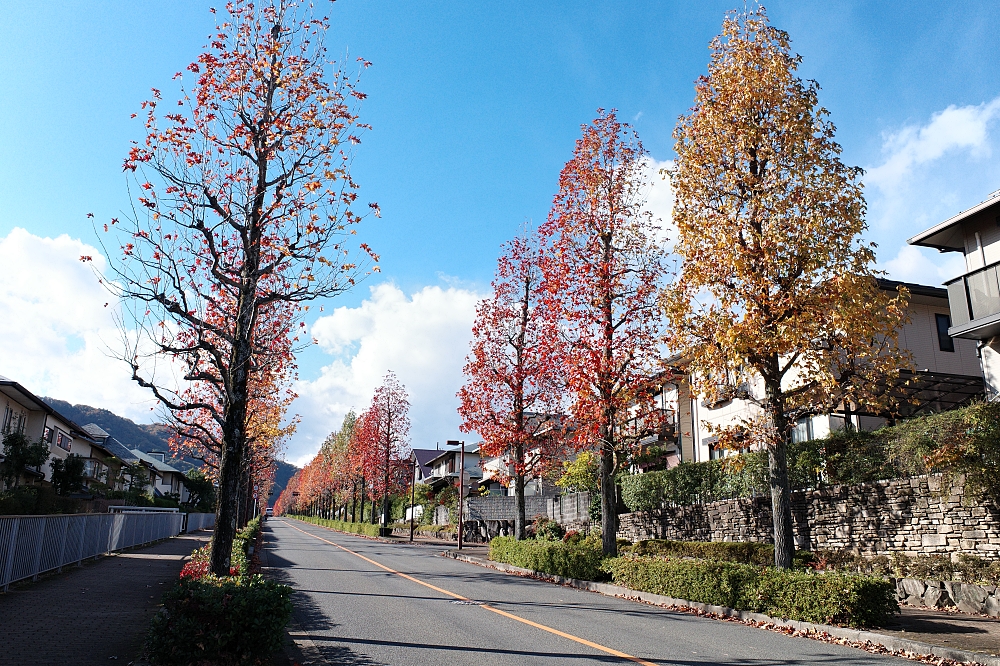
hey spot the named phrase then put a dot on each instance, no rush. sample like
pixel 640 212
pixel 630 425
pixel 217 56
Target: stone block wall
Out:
pixel 912 516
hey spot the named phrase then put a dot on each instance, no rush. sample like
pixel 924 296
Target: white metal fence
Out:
pixel 199 521
pixel 31 545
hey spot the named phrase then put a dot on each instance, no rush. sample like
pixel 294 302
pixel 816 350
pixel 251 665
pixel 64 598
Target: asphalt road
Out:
pixel 421 608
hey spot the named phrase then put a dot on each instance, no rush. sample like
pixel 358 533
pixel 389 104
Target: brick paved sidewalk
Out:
pixel 96 614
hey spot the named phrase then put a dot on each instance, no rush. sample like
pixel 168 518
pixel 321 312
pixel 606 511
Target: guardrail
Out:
pixel 32 545
pixel 199 521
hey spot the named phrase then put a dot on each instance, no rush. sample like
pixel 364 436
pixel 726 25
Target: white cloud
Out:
pixel 954 129
pixel 660 198
pixel 55 326
pixel 924 266
pixel 422 337
pixel 929 172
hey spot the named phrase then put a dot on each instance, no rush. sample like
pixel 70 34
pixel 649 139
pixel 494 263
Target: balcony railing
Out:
pixel 973 296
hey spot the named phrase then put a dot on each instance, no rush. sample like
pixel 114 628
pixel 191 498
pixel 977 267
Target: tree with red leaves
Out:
pixel 244 215
pixel 602 271
pixel 386 433
pixel 513 379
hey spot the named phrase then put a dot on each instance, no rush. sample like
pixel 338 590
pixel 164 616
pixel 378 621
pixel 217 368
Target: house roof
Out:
pixel 455 451
pixel 119 450
pixel 915 289
pixel 947 236
pixel 423 457
pixel 96 431
pixel 158 465
pixel 14 390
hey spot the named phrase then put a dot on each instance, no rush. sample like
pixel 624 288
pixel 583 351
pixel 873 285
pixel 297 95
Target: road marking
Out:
pixel 577 639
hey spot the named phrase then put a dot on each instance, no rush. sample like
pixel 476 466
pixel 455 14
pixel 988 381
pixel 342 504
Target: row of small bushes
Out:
pixel 732 574
pixel 224 620
pixel 759 554
pixel 827 598
pixel 573 560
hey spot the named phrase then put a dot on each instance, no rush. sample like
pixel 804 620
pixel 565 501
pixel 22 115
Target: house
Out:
pixel 444 468
pixel 974 296
pixel 423 457
pixel 164 479
pixel 26 413
pixel 498 469
pixel 947 376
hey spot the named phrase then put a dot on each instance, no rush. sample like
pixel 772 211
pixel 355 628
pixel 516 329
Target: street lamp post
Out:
pixel 461 497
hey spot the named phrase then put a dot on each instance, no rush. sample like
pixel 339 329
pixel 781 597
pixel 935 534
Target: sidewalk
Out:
pixel 961 631
pixel 96 614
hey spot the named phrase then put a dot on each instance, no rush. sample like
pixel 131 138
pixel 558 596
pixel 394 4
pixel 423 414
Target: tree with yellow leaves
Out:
pixel 777 302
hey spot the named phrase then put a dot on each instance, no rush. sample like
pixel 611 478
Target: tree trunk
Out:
pixel 354 502
pixel 781 504
pixel 229 488
pixel 609 508
pixel 520 519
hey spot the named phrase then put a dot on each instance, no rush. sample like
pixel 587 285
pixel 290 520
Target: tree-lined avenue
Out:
pixel 368 602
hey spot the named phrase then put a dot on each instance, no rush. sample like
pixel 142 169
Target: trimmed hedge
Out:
pixel 581 560
pixel 830 598
pixel 761 554
pixel 342 526
pixel 225 621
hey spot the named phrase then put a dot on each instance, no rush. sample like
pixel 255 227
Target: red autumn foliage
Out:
pixel 245 215
pixel 513 388
pixel 603 269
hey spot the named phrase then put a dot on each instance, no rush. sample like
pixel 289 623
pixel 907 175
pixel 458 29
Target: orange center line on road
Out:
pixel 577 639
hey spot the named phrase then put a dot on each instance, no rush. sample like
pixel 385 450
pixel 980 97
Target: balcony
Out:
pixel 658 425
pixel 974 299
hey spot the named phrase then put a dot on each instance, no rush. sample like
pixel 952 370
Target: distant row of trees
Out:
pixel 366 459
pixel 773 285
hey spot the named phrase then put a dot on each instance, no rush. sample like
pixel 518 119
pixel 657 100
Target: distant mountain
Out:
pixel 148 437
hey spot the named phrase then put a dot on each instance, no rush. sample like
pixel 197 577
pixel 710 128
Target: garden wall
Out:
pixel 908 515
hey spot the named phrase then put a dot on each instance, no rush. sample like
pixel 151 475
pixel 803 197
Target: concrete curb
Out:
pixel 891 643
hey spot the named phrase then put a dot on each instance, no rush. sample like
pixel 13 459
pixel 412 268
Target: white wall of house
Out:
pixel 982 241
pixel 921 338
pixel 697 419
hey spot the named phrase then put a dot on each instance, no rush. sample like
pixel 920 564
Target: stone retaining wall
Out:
pixel 966 597
pixel 907 515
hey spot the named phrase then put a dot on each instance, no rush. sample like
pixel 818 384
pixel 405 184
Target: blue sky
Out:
pixel 475 107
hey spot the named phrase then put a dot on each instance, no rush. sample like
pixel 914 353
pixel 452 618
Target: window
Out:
pixel 47 435
pixel 13 422
pixel 802 432
pixel 945 343
pixel 63 441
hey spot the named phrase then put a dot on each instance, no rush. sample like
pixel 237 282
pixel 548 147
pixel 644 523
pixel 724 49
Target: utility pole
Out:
pixel 461 496
pixel 413 490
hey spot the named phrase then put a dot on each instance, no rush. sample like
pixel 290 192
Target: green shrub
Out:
pixel 829 598
pixel 581 560
pixel 341 526
pixel 761 554
pixel 225 621
pixel 544 528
